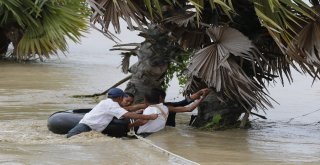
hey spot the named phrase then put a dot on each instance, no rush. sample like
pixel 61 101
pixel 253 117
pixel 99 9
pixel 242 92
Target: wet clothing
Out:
pixel 79 128
pixel 102 114
pixel 157 124
pixel 99 117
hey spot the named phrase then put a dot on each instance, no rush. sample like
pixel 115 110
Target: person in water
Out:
pixel 151 99
pixel 154 100
pixel 103 113
pixel 177 107
pixel 174 107
pixel 127 100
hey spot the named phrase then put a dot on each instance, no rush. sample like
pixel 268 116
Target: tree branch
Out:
pixel 106 91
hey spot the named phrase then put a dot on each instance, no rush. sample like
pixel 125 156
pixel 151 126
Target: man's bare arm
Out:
pixel 185 109
pixel 136 123
pixel 132 115
pixel 135 107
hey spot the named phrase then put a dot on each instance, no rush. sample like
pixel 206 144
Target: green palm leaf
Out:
pixel 59 20
pixel 16 11
pixel 283 18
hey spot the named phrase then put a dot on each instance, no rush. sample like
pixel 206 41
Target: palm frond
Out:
pixel 59 20
pixel 16 11
pixel 216 66
pixel 305 48
pixel 107 12
pixel 126 54
pixel 182 19
pixel 284 19
pixel 225 5
pixel 198 5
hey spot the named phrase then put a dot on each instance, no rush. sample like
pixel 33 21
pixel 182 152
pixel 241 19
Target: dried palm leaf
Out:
pixel 278 64
pixel 216 66
pixel 108 12
pixel 304 50
pixel 307 45
pixel 182 19
pixel 134 12
pixel 184 30
pixel 125 63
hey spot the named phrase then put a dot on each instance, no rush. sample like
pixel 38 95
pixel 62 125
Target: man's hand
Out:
pixel 140 111
pixel 202 92
pixel 153 116
pixel 205 91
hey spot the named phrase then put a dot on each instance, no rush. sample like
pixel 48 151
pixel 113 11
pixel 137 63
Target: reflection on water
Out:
pixel 29 93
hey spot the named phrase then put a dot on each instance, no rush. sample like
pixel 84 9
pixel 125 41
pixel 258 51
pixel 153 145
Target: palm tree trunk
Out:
pixel 4 43
pixel 147 73
pixel 211 106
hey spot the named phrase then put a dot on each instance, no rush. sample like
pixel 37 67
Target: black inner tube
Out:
pixel 63 121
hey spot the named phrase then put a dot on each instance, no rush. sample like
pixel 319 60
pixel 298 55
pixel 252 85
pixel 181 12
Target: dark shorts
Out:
pixel 143 134
pixel 79 128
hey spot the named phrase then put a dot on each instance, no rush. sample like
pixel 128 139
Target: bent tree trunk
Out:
pixel 147 73
pixel 212 107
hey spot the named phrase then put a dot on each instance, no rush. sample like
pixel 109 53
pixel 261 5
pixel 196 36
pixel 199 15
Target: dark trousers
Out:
pixel 79 128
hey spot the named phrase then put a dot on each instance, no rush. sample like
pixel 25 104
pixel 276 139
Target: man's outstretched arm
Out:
pixel 189 99
pixel 133 108
pixel 185 109
pixel 132 115
pixel 201 95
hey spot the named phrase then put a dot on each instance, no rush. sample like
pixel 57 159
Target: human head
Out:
pixel 116 94
pixel 160 92
pixel 127 99
pixel 154 96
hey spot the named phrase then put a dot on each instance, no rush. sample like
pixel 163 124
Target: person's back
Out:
pixel 157 124
pixel 102 114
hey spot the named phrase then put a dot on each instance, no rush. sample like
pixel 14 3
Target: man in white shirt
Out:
pixel 158 124
pixel 102 114
pixel 151 99
pixel 154 100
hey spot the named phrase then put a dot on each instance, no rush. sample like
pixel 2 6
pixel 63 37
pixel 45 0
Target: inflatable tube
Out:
pixel 63 121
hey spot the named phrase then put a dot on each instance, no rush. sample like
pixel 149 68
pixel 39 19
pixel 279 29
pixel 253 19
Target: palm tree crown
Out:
pixel 239 45
pixel 40 27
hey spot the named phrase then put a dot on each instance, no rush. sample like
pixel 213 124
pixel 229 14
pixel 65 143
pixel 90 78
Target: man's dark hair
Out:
pixel 153 96
pixel 160 92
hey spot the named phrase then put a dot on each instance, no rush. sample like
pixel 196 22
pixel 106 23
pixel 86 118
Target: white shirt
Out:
pixel 102 114
pixel 157 124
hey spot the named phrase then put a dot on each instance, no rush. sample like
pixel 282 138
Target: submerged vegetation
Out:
pixel 216 124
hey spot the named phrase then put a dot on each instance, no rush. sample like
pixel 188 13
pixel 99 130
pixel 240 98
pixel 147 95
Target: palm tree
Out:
pixel 239 45
pixel 155 55
pixel 40 28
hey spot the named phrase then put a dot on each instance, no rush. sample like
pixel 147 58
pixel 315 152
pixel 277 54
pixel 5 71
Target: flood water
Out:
pixel 30 92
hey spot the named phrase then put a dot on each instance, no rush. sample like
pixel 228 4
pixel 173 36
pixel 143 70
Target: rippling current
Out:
pixel 30 92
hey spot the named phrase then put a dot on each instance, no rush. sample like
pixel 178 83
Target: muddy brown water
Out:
pixel 30 92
